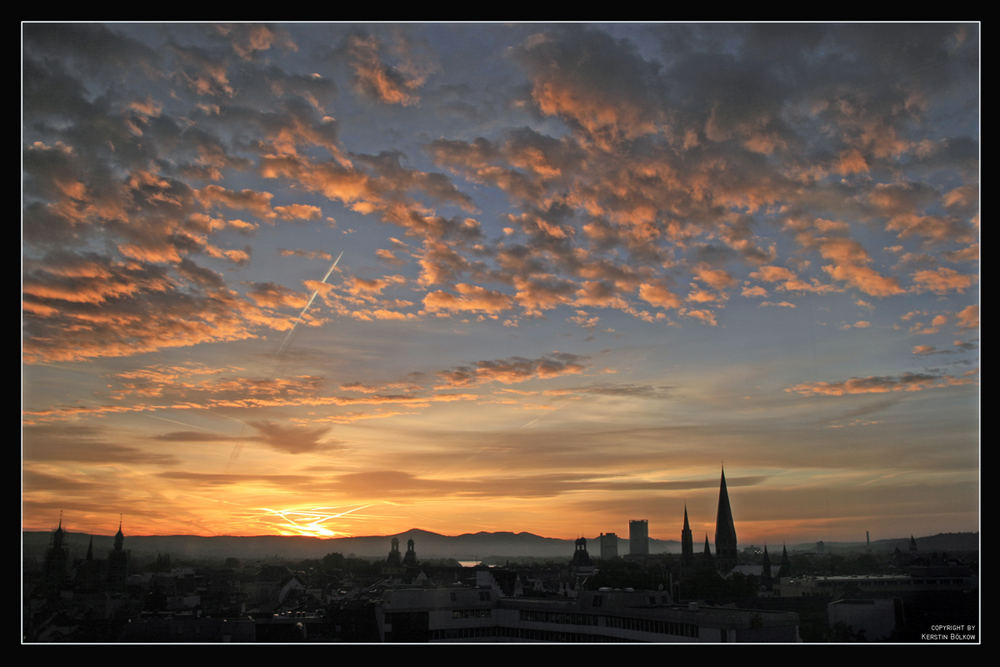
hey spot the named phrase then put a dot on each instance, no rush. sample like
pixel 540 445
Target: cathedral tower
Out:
pixel 687 541
pixel 766 580
pixel 118 562
pixel 706 555
pixel 725 530
pixel 394 559
pixel 410 559
pixel 56 562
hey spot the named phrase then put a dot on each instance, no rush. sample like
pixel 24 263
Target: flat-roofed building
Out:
pixel 609 546
pixel 475 615
pixel 638 537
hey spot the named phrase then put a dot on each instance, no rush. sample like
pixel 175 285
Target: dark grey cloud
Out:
pixel 85 444
pixel 225 479
pixel 573 63
pixel 200 436
pixel 394 484
pixel 34 481
pixel 623 390
pixel 93 48
pixel 280 437
pixel 294 439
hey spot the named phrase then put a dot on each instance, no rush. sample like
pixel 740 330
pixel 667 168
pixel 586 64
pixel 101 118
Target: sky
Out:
pixel 351 279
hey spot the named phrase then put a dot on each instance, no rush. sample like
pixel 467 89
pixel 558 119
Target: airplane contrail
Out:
pixel 238 447
pixel 298 319
pixel 312 520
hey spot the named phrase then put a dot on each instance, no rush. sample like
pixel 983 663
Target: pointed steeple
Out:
pixel 57 537
pixel 687 541
pixel 786 564
pixel 725 528
pixel 56 562
pixel 119 536
pixel 765 573
pixel 118 561
pixel 705 561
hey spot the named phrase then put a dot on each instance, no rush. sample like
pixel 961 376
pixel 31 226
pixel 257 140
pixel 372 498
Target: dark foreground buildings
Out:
pixel 480 615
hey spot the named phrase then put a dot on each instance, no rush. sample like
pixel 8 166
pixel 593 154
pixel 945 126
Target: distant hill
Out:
pixel 470 546
pixel 942 542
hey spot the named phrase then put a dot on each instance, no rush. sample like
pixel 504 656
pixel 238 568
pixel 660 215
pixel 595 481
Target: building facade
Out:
pixel 609 546
pixel 471 615
pixel 638 537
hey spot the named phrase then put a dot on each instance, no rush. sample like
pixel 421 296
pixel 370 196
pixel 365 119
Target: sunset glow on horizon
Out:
pixel 344 279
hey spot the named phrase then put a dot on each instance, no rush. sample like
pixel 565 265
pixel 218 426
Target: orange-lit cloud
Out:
pixel 513 370
pixel 470 298
pixel 659 295
pixel 379 80
pixel 878 384
pixel 943 280
pixel 968 317
pixel 850 264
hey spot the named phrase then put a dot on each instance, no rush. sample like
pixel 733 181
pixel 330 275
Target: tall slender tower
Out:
pixel 725 530
pixel 766 580
pixel 687 541
pixel 56 561
pixel 118 562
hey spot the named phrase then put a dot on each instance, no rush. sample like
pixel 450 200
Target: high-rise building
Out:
pixel 609 546
pixel 638 537
pixel 725 530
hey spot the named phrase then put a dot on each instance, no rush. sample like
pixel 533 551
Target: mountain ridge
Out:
pixel 428 544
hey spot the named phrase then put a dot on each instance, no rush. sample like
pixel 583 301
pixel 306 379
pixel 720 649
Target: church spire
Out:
pixel 119 536
pixel 56 561
pixel 706 556
pixel 725 528
pixel 766 580
pixel 118 561
pixel 59 534
pixel 687 540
